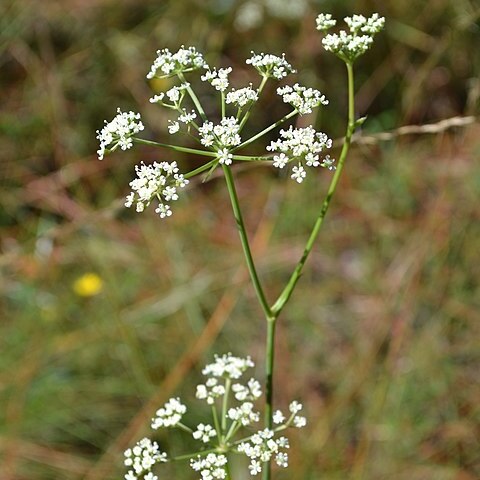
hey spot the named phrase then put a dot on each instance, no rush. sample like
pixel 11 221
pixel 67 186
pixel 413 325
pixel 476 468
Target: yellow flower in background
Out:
pixel 88 285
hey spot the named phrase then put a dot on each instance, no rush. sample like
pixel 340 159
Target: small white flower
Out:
pixel 299 173
pixel 157 98
pixel 280 161
pixel 278 417
pixel 295 407
pixel 150 476
pixel 225 157
pixel 174 127
pixel 281 459
pixel 299 422
pixel 255 467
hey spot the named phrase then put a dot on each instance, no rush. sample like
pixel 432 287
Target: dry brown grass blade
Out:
pixel 48 456
pixel 191 356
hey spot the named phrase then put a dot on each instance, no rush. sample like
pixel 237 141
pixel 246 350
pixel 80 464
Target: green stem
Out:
pixel 198 170
pixel 244 239
pixel 248 158
pixel 205 153
pixel 265 130
pixel 247 113
pixel 216 423
pixel 223 103
pixel 228 383
pixel 194 98
pixel 287 291
pixel 196 454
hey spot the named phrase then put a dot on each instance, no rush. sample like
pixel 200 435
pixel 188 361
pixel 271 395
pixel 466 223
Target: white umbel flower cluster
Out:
pixel 349 46
pixel 242 97
pixel 303 99
pixel 225 134
pixel 325 21
pixel 210 391
pixel 169 415
pixel 211 467
pixel 370 26
pixel 251 391
pixel 269 65
pixel 303 144
pixel 228 366
pixel 119 132
pixel 220 433
pixel 160 181
pixel 204 433
pixel 217 78
pixel 167 64
pixel 244 414
pixel 175 95
pixel 141 458
pixel 262 447
pixel 298 420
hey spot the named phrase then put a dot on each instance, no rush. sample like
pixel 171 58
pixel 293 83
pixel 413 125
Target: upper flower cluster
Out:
pixel 269 65
pixel 303 144
pixel 167 63
pixel 228 366
pixel 160 181
pixel 119 132
pixel 303 99
pixel 349 46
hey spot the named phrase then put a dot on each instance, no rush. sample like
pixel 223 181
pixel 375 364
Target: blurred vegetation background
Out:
pixel 105 314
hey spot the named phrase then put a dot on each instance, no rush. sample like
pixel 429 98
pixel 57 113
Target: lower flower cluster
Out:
pixel 233 412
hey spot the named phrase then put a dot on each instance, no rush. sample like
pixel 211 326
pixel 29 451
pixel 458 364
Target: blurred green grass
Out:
pixel 386 314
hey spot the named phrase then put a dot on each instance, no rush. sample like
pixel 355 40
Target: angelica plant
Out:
pixel 300 150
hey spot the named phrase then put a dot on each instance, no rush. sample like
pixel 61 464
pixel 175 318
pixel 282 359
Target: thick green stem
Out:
pixel 205 153
pixel 269 362
pixel 287 291
pixel 244 239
